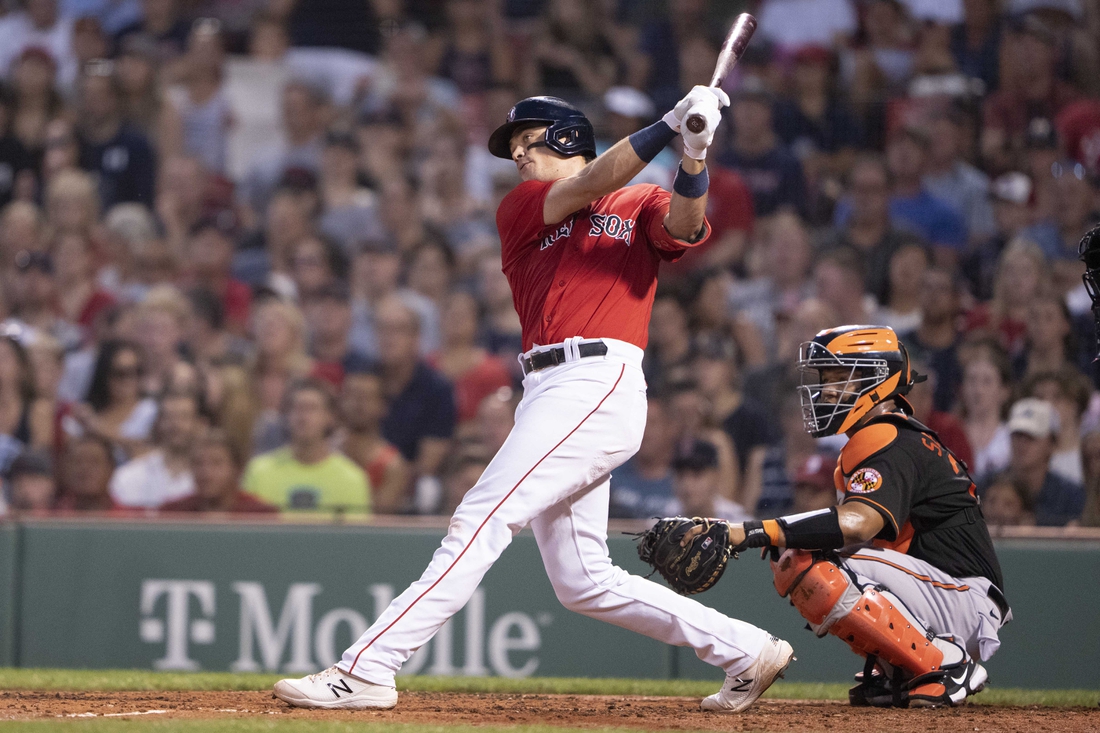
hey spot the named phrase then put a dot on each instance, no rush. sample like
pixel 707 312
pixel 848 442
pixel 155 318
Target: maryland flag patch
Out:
pixel 864 481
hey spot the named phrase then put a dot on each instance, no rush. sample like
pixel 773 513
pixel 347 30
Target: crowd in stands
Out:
pixel 249 261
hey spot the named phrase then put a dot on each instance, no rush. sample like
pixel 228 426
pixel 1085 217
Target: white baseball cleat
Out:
pixel 739 692
pixel 335 689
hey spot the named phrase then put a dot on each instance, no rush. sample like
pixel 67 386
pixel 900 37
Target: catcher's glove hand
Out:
pixel 691 569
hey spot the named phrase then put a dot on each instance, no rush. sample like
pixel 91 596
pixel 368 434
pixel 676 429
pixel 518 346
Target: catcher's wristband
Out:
pixel 818 530
pixel 759 533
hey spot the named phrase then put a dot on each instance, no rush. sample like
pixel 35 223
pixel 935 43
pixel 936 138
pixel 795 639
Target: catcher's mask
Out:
pixel 846 371
pixel 1089 252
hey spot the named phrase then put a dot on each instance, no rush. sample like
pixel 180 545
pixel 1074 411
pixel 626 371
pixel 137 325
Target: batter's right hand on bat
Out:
pixel 696 143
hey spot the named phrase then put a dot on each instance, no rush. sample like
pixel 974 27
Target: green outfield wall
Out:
pixel 263 597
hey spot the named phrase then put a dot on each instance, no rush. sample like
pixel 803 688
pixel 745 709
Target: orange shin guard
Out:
pixel 871 622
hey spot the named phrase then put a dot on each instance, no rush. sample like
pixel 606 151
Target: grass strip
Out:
pixel 144 680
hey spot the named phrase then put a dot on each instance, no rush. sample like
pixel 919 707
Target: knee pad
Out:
pixel 871 621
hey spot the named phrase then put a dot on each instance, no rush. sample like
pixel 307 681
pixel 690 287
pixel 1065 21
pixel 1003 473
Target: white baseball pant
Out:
pixel 576 422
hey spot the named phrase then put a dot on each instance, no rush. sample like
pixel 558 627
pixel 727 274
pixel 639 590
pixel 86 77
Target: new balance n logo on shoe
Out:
pixel 741 686
pixel 342 686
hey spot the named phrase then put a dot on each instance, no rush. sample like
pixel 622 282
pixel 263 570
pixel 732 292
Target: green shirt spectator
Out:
pixel 334 483
pixel 307 474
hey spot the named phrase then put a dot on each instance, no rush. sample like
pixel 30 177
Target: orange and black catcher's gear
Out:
pixel 876 368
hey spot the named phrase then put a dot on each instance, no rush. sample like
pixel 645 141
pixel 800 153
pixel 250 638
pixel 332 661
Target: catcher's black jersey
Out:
pixel 925 495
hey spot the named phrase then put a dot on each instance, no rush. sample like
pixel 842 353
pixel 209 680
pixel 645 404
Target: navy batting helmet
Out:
pixel 568 133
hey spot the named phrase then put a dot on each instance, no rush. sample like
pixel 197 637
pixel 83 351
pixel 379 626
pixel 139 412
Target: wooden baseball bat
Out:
pixel 737 40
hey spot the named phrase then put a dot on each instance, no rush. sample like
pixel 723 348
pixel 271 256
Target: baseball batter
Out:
pixel 903 570
pixel 581 254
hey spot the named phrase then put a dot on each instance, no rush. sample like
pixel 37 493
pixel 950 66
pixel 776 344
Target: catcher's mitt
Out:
pixel 691 569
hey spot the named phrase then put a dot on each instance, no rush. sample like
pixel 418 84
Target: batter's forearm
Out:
pixel 611 171
pixel 685 214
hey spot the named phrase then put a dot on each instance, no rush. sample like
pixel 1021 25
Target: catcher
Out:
pixel 903 569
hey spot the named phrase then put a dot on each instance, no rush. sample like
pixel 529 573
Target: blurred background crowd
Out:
pixel 248 255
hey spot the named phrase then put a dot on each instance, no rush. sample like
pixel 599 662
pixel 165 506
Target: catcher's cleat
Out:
pixel 948 687
pixel 740 691
pixel 335 689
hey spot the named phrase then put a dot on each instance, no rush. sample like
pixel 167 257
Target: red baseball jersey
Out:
pixel 594 273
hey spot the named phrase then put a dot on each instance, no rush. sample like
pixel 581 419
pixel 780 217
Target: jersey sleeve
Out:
pixel 885 482
pixel 652 221
pixel 519 216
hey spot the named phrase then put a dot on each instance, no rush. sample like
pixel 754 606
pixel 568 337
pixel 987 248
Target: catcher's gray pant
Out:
pixel 959 607
pixel 576 423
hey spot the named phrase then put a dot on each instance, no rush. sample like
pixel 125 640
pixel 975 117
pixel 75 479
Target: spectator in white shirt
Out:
pixel 39 24
pixel 163 474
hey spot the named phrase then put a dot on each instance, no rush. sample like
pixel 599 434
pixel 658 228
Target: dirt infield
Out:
pixel 584 711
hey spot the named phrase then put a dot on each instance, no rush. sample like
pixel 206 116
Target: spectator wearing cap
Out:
pixel 772 173
pixel 38 24
pixel 163 22
pixel 85 476
pixel 951 179
pixel 216 465
pixel 1033 424
pixel 199 99
pixel 210 252
pixel 1029 88
pixel 304 111
pixel 162 474
pixel 307 474
pixel 474 372
pixel 421 416
pixel 328 320
pixel 642 487
pixel 868 228
pixel 629 110
pixel 350 209
pixel 813 485
pixel 119 153
pixel 363 407
pixel 32 488
pixel 695 485
pixel 1069 392
pixel 1012 197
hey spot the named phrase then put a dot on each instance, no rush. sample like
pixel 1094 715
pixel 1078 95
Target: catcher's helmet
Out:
pixel 1089 252
pixel 877 369
pixel 569 132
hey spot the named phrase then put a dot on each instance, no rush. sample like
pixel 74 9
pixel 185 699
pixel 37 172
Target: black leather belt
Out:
pixel 553 357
